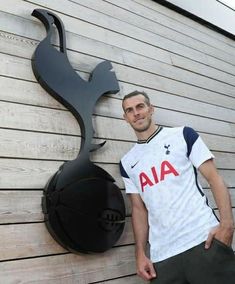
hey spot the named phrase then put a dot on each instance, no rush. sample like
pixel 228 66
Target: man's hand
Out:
pixel 145 268
pixel 221 233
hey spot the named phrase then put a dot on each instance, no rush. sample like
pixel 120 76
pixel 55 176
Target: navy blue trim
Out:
pixel 151 136
pixel 213 211
pixel 197 184
pixel 202 193
pixel 215 215
pixel 190 136
pixel 122 171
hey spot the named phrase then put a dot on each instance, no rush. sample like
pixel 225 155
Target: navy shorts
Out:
pixel 197 265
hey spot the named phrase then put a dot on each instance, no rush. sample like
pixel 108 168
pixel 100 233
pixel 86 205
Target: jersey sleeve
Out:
pixel 197 151
pixel 129 185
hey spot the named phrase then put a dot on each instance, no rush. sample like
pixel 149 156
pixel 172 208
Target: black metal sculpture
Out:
pixel 83 208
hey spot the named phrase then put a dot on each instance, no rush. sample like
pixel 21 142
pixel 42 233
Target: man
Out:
pixel 188 244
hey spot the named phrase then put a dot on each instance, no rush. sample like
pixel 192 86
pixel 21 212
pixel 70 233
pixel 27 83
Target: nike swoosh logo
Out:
pixel 134 164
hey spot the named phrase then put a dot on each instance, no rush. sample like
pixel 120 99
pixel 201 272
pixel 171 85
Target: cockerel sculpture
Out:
pixel 84 210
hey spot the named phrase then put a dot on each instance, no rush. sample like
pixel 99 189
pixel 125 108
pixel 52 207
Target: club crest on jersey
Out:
pixel 156 176
pixel 167 149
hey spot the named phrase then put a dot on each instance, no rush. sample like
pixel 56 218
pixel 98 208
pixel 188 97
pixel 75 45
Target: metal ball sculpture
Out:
pixel 83 208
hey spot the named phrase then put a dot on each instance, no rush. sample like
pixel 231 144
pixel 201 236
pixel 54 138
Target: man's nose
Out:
pixel 135 112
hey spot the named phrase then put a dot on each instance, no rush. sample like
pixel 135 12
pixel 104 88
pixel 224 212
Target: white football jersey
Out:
pixel 163 170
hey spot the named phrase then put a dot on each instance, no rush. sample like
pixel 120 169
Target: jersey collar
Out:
pixel 151 136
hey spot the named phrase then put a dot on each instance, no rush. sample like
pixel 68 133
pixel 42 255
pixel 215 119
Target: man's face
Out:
pixel 138 113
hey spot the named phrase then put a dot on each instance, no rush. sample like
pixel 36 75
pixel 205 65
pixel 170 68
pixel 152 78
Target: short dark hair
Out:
pixel 136 93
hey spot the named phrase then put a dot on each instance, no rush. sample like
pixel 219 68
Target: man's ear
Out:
pixel 124 116
pixel 151 109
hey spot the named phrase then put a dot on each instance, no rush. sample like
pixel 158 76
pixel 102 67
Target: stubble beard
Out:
pixel 144 127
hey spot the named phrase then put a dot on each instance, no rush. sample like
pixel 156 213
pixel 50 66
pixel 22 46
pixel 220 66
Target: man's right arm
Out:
pixel 145 267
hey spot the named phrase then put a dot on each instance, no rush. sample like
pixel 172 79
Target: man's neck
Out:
pixel 146 134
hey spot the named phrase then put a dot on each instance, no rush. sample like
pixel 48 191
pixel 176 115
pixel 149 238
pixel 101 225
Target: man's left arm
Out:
pixel 224 231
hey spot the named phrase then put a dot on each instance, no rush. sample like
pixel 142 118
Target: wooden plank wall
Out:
pixel 188 71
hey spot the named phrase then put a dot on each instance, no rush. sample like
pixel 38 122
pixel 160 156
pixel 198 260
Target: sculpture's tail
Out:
pixel 104 78
pixel 95 147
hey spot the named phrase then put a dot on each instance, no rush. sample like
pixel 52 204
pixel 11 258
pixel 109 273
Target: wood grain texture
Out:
pixel 70 268
pixel 30 240
pixel 188 71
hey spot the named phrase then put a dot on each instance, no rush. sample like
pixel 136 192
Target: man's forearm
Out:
pixel 223 232
pixel 145 268
pixel 223 202
pixel 140 229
